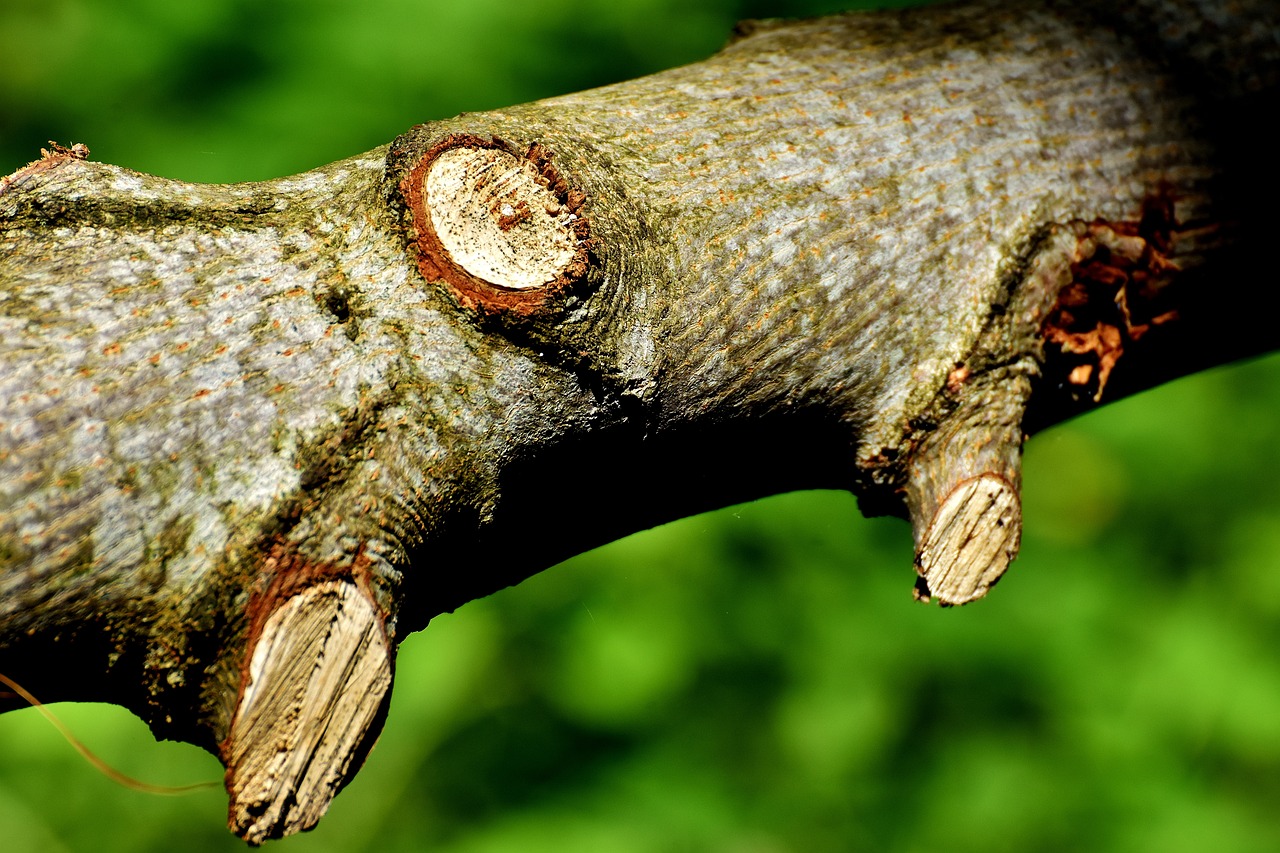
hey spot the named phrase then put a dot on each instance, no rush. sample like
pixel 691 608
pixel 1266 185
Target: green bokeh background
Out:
pixel 755 680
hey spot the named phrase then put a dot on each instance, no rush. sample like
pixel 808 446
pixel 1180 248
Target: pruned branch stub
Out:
pixel 499 225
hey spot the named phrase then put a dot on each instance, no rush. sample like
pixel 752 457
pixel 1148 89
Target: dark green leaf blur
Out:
pixel 756 680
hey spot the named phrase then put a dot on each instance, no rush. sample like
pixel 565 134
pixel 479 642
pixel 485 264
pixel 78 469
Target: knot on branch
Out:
pixel 500 226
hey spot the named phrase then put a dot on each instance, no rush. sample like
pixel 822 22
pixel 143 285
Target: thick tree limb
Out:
pixel 251 435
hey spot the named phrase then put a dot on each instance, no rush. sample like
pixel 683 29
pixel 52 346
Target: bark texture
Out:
pixel 251 435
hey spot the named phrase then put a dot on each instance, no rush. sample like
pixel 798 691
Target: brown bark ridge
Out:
pixel 251 435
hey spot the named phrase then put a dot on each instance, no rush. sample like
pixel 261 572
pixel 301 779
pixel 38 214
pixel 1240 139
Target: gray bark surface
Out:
pixel 869 252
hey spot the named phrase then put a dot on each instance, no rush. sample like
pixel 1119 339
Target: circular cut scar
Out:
pixel 497 219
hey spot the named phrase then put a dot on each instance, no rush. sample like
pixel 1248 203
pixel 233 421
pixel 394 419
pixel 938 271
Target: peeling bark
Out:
pixel 251 435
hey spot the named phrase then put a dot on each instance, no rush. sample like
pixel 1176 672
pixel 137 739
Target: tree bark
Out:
pixel 251 435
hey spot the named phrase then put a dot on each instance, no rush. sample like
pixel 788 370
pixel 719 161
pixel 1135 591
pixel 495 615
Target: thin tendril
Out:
pixel 101 766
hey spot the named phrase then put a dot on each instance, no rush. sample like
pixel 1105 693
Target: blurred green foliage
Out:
pixel 755 680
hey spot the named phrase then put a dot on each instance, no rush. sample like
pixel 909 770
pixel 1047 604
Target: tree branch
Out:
pixel 251 435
